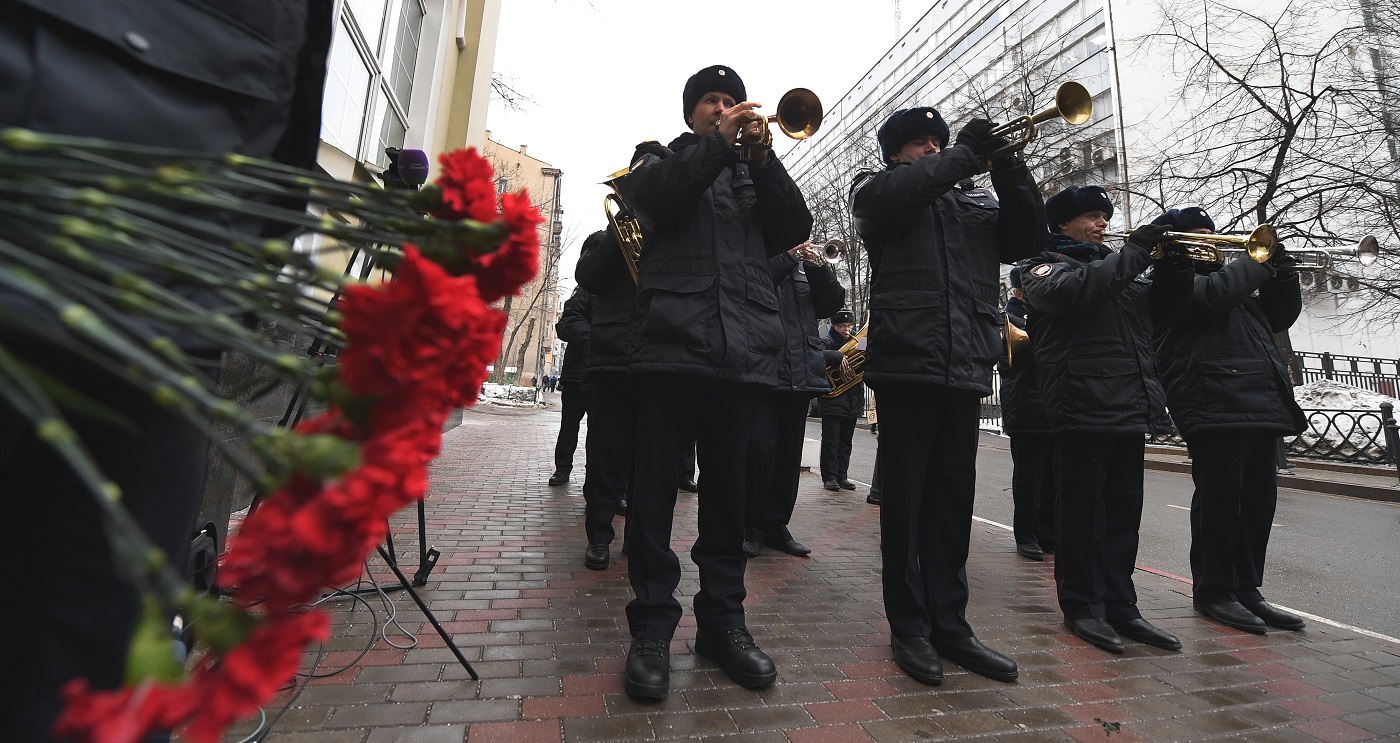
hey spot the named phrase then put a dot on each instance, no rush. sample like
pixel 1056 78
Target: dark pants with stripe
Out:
pixel 928 456
pixel 1034 489
pixel 1100 511
pixel 608 476
pixel 1232 512
pixel 775 466
pixel 721 414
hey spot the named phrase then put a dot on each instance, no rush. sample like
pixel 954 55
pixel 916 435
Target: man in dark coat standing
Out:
pixel 608 477
pixel 1229 393
pixel 935 242
pixel 1091 327
pixel 807 289
pixel 708 336
pixel 1034 481
pixel 213 78
pixel 573 329
pixel 839 413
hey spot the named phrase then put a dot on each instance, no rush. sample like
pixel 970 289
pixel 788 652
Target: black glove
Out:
pixel 976 135
pixel 1283 261
pixel 1149 236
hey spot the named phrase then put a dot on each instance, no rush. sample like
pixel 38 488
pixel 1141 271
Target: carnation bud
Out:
pixel 151 655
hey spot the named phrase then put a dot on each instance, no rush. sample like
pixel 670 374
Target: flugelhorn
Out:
pixel 1072 103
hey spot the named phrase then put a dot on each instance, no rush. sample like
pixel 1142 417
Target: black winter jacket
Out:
pixel 1218 360
pixel 934 243
pixel 573 329
pixel 705 301
pixel 805 293
pixel 243 77
pixel 851 403
pixel 1022 404
pixel 602 271
pixel 1091 322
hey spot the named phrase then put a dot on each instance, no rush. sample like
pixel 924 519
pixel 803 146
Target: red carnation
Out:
pixel 468 188
pixel 516 262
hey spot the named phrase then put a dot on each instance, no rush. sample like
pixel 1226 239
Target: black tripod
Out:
pixel 296 407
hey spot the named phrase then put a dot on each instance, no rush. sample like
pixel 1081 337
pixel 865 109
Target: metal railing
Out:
pixel 1368 372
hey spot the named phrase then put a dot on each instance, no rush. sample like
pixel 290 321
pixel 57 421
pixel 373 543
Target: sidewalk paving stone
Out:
pixel 549 639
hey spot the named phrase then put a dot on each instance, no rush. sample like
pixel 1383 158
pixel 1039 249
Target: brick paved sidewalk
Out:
pixel 548 638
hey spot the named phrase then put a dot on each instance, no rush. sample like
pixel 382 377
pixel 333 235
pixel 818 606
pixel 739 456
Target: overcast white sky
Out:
pixel 603 75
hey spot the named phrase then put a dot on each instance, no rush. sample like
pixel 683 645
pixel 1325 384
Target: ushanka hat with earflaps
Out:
pixel 1074 201
pixel 843 315
pixel 716 77
pixel 906 124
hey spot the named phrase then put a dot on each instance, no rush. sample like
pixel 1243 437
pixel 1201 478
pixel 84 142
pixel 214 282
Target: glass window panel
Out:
pixel 369 14
pixel 392 130
pixel 410 29
pixel 347 92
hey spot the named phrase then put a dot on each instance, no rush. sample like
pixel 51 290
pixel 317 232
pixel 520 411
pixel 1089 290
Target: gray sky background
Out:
pixel 603 75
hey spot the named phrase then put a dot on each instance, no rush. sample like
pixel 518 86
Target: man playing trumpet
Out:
pixel 1231 398
pixel 707 335
pixel 935 243
pixel 1090 319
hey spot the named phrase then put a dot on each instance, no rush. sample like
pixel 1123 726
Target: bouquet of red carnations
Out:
pixel 98 232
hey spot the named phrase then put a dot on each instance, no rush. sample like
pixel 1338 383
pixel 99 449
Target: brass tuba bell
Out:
pixel 625 226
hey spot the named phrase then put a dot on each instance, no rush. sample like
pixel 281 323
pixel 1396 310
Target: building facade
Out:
pixel 528 350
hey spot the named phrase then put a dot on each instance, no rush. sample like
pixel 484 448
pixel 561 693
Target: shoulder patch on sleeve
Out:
pixel 1043 270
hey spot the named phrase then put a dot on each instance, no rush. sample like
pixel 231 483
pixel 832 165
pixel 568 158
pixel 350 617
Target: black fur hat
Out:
pixel 1015 277
pixel 1074 201
pixel 906 124
pixel 1187 219
pixel 843 315
pixel 717 77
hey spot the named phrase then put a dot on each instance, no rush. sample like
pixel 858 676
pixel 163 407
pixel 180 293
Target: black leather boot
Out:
pixel 648 669
pixel 736 652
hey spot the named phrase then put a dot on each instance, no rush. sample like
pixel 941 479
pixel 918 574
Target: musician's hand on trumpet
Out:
pixel 977 136
pixel 1285 263
pixel 808 254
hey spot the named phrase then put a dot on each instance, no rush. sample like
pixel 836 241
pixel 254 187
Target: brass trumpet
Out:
pixel 1258 244
pixel 1367 250
pixel 799 115
pixel 834 250
pixel 1072 103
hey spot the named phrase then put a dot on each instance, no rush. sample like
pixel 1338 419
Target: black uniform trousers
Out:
pixel 1100 511
pixel 1232 511
pixel 668 408
pixel 775 465
pixel 79 619
pixel 686 471
pixel 928 473
pixel 1034 489
pixel 608 476
pixel 837 431
pixel 575 399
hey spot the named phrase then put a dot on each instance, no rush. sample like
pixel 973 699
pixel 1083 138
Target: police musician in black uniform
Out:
pixel 708 339
pixel 807 289
pixel 839 413
pixel 572 328
pixel 935 243
pixel 1034 480
pixel 607 480
pixel 1091 326
pixel 1230 396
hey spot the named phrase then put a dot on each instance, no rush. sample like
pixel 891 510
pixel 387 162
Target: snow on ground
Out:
pixel 508 396
pixel 1343 433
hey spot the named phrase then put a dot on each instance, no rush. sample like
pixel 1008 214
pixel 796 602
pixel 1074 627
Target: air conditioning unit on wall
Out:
pixel 1103 155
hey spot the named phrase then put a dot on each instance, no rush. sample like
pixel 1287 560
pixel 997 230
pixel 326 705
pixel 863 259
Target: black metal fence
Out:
pixel 1367 372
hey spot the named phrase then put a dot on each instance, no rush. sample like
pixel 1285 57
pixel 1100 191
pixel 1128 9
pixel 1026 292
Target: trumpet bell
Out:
pixel 1073 103
pixel 834 249
pixel 1368 250
pixel 799 113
